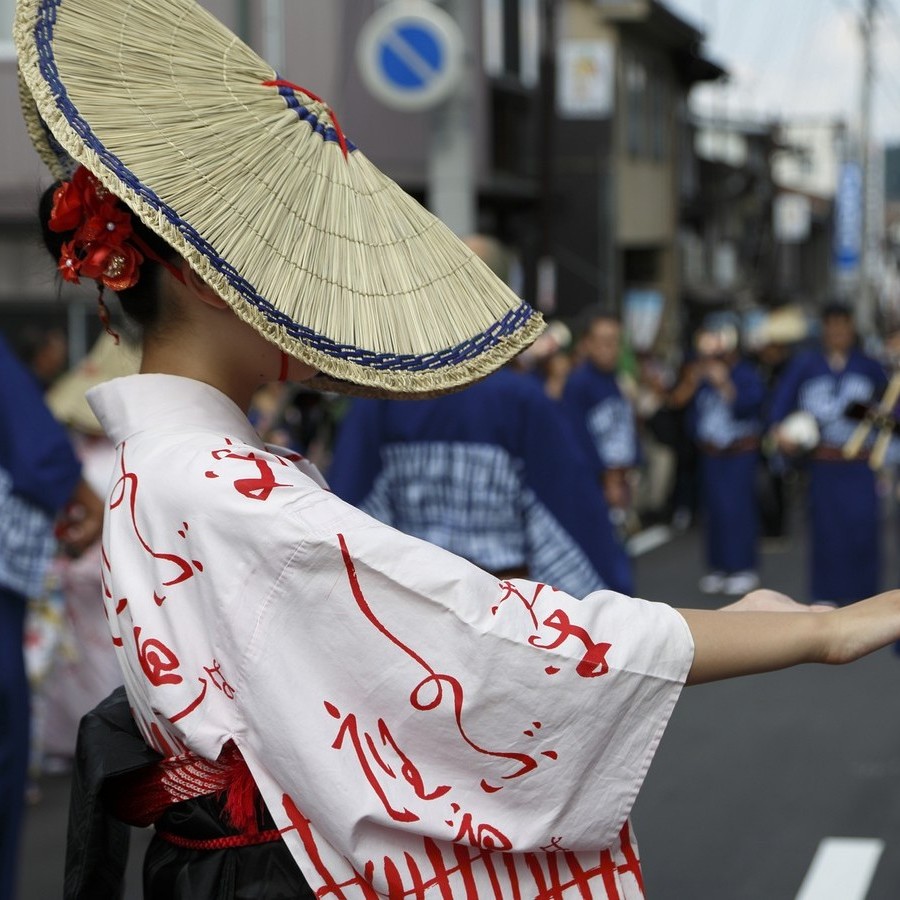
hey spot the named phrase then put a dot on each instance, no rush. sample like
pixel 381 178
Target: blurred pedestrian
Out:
pixel 725 394
pixel 493 474
pixel 845 538
pixel 658 427
pixel 40 476
pixel 547 360
pixel 775 344
pixel 601 413
pixel 44 351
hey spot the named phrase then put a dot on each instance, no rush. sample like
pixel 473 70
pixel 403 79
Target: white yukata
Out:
pixel 416 728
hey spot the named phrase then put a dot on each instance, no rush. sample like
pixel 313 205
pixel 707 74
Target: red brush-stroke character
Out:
pixel 434 681
pixel 157 660
pixel 362 741
pixel 594 658
pixel 192 705
pixel 125 489
pixel 218 679
pixel 485 836
pixel 259 488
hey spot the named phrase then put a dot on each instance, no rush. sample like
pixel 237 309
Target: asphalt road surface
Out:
pixel 754 780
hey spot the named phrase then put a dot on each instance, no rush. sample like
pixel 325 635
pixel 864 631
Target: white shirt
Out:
pixel 403 713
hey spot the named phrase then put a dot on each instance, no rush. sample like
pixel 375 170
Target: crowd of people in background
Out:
pixel 546 469
pixel 743 436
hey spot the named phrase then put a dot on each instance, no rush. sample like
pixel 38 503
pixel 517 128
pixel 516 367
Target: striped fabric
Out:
pixel 26 541
pixel 471 499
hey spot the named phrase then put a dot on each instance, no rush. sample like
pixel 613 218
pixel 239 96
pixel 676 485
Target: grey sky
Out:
pixel 798 59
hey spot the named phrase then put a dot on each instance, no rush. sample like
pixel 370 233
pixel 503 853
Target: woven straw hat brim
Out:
pixel 320 252
pixel 107 360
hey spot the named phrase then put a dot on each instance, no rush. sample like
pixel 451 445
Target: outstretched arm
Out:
pixel 747 637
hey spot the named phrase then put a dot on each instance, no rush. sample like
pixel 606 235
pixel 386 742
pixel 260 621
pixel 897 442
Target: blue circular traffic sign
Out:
pixel 410 54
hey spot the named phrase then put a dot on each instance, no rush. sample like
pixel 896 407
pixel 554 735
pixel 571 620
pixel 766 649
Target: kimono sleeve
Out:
pixel 396 693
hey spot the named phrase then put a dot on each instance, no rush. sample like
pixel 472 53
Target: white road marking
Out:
pixel 645 541
pixel 842 869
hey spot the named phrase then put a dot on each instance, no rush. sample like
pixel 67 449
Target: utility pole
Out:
pixel 452 189
pixel 866 305
pixel 273 44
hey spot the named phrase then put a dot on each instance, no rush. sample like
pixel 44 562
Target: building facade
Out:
pixel 575 129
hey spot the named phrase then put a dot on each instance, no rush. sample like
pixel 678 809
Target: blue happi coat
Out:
pixel 722 428
pixel 843 502
pixel 602 416
pixel 492 473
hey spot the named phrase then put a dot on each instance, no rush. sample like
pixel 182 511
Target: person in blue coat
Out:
pixel 603 417
pixel 724 394
pixel 492 473
pixel 39 477
pixel 843 500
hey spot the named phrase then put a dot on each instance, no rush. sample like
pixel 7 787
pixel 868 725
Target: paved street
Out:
pixel 751 775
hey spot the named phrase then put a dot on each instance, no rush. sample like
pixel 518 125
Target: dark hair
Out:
pixel 591 316
pixel 836 309
pixel 140 303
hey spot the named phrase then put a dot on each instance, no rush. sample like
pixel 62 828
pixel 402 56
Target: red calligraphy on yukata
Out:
pixel 429 693
pixel 157 660
pixel 192 705
pixel 593 662
pixel 485 836
pixel 125 490
pixel 430 868
pixel 218 679
pixel 367 752
pixel 258 488
pixel 105 568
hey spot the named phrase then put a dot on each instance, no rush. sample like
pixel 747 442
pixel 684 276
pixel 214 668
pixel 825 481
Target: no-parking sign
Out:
pixel 410 55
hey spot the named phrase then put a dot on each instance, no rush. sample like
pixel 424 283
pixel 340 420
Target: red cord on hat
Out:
pixel 280 82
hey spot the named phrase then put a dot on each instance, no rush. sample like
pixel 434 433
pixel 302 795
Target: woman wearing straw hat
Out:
pixel 388 716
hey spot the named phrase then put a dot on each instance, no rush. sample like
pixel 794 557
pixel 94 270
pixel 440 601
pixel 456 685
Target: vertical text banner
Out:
pixel 848 219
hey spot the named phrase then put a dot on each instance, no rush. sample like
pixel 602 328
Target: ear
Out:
pixel 196 285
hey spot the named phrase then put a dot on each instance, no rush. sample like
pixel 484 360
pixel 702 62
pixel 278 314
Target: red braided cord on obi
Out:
pixel 143 796
pixel 223 843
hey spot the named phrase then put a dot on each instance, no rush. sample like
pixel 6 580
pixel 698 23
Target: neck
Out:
pixel 220 351
pixel 168 361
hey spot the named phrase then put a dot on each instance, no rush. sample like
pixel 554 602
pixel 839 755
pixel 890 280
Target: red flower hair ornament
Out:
pixel 104 246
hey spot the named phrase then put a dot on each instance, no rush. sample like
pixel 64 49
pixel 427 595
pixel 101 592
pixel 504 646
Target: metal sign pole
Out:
pixel 452 191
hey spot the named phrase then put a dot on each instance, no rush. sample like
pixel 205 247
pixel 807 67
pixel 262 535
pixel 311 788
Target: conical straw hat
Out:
pixel 107 359
pixel 255 186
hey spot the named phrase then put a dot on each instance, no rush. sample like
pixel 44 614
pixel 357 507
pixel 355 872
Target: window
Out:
pixel 635 104
pixel 492 29
pixel 529 42
pixel 647 110
pixel 512 39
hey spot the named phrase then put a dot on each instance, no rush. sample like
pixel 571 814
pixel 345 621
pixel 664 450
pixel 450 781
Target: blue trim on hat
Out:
pixel 512 322
pixel 328 132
